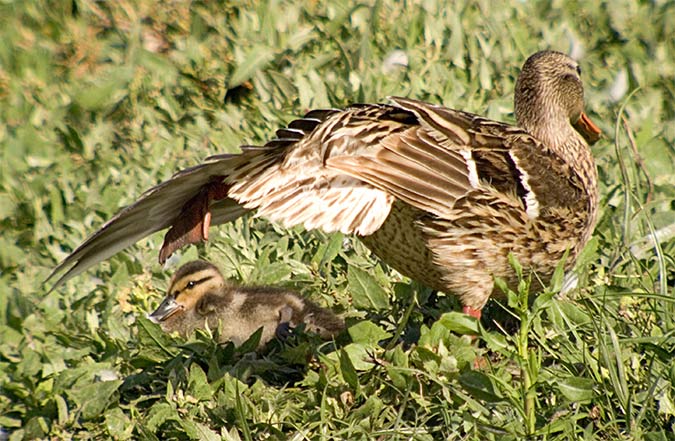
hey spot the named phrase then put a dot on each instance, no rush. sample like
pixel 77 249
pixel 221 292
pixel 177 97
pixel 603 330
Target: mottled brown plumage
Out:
pixel 198 296
pixel 442 195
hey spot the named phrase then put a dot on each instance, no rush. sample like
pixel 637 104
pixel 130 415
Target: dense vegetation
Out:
pixel 101 100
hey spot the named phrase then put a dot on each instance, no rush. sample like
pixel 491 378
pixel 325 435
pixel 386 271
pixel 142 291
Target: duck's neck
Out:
pixel 561 137
pixel 557 134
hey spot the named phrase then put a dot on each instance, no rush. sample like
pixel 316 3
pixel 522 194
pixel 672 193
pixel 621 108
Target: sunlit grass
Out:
pixel 101 100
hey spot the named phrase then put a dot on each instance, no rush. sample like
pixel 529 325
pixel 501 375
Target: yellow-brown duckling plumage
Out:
pixel 198 296
pixel 442 195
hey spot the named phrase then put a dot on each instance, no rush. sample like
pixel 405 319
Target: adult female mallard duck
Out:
pixel 441 195
pixel 198 295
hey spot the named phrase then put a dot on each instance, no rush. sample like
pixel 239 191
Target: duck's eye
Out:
pixel 191 284
pixel 579 70
pixel 569 77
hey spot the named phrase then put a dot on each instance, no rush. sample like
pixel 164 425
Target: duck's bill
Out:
pixel 587 129
pixel 166 309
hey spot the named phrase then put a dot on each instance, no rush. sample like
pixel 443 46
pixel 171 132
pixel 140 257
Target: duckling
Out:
pixel 198 295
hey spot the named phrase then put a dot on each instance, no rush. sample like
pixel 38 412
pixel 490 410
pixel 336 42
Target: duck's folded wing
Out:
pixel 155 210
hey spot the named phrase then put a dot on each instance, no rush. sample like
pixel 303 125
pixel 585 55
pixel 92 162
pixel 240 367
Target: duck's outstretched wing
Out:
pixel 155 210
pixel 189 202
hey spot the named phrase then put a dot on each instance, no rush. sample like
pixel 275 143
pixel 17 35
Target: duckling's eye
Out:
pixel 191 284
pixel 579 70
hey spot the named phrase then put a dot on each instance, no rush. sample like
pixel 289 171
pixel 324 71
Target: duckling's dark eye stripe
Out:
pixel 193 283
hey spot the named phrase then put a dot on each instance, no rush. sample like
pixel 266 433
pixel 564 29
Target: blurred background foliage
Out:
pixel 101 100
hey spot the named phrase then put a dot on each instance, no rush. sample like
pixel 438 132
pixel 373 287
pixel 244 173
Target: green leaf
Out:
pixel 564 313
pixel 432 336
pixel 257 58
pixel 252 343
pixel 558 277
pixel 158 346
pixel 62 409
pixel 104 92
pixel 360 356
pixel 35 428
pixel 460 323
pixel 576 388
pixel 494 341
pixel 118 425
pixel 160 413
pixel 542 301
pixel 348 371
pixel 8 422
pixel 367 332
pixel 199 431
pixel 95 397
pixel 7 206
pixel 198 385
pixel 329 251
pixel 366 292
pixel 479 386
pixel 661 435
pixel 398 370
pixel 588 254
pixel 271 273
pixel 517 267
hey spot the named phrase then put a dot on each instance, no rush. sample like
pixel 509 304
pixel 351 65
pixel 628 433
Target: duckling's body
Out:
pixel 199 296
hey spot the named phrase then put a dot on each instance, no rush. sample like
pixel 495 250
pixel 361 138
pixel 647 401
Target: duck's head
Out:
pixel 549 97
pixel 188 286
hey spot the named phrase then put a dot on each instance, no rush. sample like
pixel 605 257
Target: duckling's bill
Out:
pixel 166 309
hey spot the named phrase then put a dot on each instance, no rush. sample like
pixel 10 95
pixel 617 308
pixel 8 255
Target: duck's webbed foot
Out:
pixel 193 222
pixel 284 328
pixel 284 331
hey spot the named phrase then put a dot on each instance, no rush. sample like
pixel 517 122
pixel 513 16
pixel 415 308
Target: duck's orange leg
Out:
pixel 468 310
pixel 479 363
pixel 193 222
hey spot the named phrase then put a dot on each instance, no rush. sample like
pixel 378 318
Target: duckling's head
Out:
pixel 188 286
pixel 549 96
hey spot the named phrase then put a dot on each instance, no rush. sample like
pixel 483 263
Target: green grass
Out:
pixel 101 100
